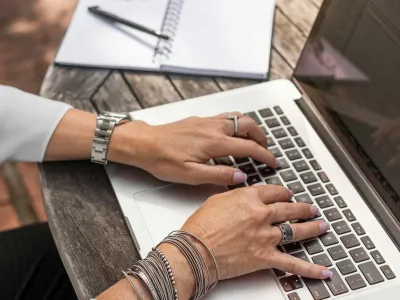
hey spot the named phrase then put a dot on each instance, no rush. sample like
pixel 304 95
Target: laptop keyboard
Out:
pixel 346 248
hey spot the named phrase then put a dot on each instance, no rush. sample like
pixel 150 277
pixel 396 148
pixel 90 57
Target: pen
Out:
pixel 96 10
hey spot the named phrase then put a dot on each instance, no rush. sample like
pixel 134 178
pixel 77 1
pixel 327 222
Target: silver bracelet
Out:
pixel 132 285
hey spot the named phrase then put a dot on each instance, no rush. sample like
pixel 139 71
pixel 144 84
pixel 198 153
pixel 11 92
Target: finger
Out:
pixel 297 266
pixel 220 175
pixel 229 114
pixel 282 212
pixel 302 231
pixel 269 194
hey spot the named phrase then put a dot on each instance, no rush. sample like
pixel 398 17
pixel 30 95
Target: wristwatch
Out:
pixel 106 122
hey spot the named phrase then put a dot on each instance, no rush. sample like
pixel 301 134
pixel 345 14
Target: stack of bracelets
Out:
pixel 155 273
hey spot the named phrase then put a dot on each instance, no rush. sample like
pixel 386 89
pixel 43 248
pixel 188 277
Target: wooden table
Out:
pixel 82 209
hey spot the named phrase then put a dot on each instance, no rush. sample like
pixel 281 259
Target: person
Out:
pixel 231 234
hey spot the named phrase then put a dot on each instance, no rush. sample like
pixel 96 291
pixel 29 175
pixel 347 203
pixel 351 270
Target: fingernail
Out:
pixel 239 177
pixel 326 274
pixel 323 226
pixel 291 194
pixel 276 163
pixel 314 210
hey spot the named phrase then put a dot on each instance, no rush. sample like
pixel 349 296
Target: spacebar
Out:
pixel 316 288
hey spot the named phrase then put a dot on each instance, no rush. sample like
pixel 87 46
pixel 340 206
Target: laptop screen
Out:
pixel 350 69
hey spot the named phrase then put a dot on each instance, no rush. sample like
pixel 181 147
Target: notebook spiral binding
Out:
pixel 169 27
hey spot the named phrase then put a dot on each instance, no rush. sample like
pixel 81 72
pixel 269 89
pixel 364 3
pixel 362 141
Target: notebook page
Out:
pixel 223 37
pixel 94 41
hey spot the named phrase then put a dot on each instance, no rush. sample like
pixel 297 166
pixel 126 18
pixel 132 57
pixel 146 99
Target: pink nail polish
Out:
pixel 314 210
pixel 326 274
pixel 239 177
pixel 323 226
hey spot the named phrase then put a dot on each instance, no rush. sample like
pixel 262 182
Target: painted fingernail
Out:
pixel 276 163
pixel 326 274
pixel 291 194
pixel 314 210
pixel 323 226
pixel 239 177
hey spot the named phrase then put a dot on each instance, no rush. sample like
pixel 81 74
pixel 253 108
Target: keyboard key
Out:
pixel 387 271
pixel 316 288
pixel 377 257
pixel 242 160
pixel 296 187
pixel 288 175
pixel 359 254
pixel 247 168
pixel 349 215
pixel 283 164
pixel 292 131
pixel 355 282
pixel 324 178
pixel 286 144
pixel 340 202
pixel 294 296
pixel 279 133
pixel 328 239
pixel 253 179
pixel 272 123
pixel 316 189
pixel 331 188
pixel 346 267
pixel 292 247
pixel 276 152
pixel 307 153
pixel 224 161
pixel 254 116
pixel 308 177
pixel 279 273
pixel 315 165
pixel 266 113
pixel 332 214
pixel 266 171
pixel 323 201
pixel 285 120
pixel 337 252
pixel 291 283
pixel 237 186
pixel 304 198
pixel 350 241
pixel 336 284
pixel 274 181
pixel 322 259
pixel 278 110
pixel 299 142
pixel 293 154
pixel 270 141
pixel 302 255
pixel 341 227
pixel 367 242
pixel 301 166
pixel 371 273
pixel 358 228
pixel 313 247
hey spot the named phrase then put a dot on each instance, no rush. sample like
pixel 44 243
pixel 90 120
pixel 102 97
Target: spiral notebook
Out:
pixel 208 37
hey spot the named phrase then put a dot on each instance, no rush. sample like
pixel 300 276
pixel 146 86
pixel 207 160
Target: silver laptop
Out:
pixel 320 126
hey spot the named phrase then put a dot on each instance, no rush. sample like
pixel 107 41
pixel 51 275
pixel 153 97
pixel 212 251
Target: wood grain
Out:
pixel 279 67
pixel 317 3
pixel 190 86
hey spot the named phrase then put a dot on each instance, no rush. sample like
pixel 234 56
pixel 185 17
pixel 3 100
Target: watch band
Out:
pixel 106 123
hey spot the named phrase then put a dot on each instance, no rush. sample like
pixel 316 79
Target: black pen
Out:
pixel 96 10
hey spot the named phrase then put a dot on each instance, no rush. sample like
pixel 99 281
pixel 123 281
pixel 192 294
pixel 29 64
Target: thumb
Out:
pixel 221 175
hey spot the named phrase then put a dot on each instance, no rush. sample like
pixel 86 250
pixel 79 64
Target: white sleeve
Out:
pixel 27 124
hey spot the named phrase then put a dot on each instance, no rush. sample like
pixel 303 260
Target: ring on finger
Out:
pixel 287 233
pixel 235 120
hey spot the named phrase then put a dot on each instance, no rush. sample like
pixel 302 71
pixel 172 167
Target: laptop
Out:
pixel 320 125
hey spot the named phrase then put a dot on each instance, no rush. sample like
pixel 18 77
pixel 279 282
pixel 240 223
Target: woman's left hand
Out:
pixel 179 151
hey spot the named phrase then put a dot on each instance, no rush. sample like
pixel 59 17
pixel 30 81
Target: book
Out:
pixel 229 38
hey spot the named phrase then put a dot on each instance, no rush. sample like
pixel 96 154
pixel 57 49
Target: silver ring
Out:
pixel 287 233
pixel 235 124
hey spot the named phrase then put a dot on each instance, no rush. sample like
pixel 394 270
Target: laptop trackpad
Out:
pixel 166 209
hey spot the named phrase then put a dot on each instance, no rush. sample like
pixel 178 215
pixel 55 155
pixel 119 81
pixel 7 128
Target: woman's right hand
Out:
pixel 238 227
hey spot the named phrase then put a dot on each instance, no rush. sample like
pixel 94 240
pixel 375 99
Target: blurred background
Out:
pixel 30 32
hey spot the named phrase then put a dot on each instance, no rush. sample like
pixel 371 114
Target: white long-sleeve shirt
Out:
pixel 27 123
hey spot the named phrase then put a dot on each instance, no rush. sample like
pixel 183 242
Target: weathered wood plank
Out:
pixel 191 86
pixel 88 225
pixel 279 67
pixel 82 104
pixel 287 40
pixel 317 3
pixel 115 95
pixel 301 13
pixel 230 84
pixel 62 83
pixel 151 90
